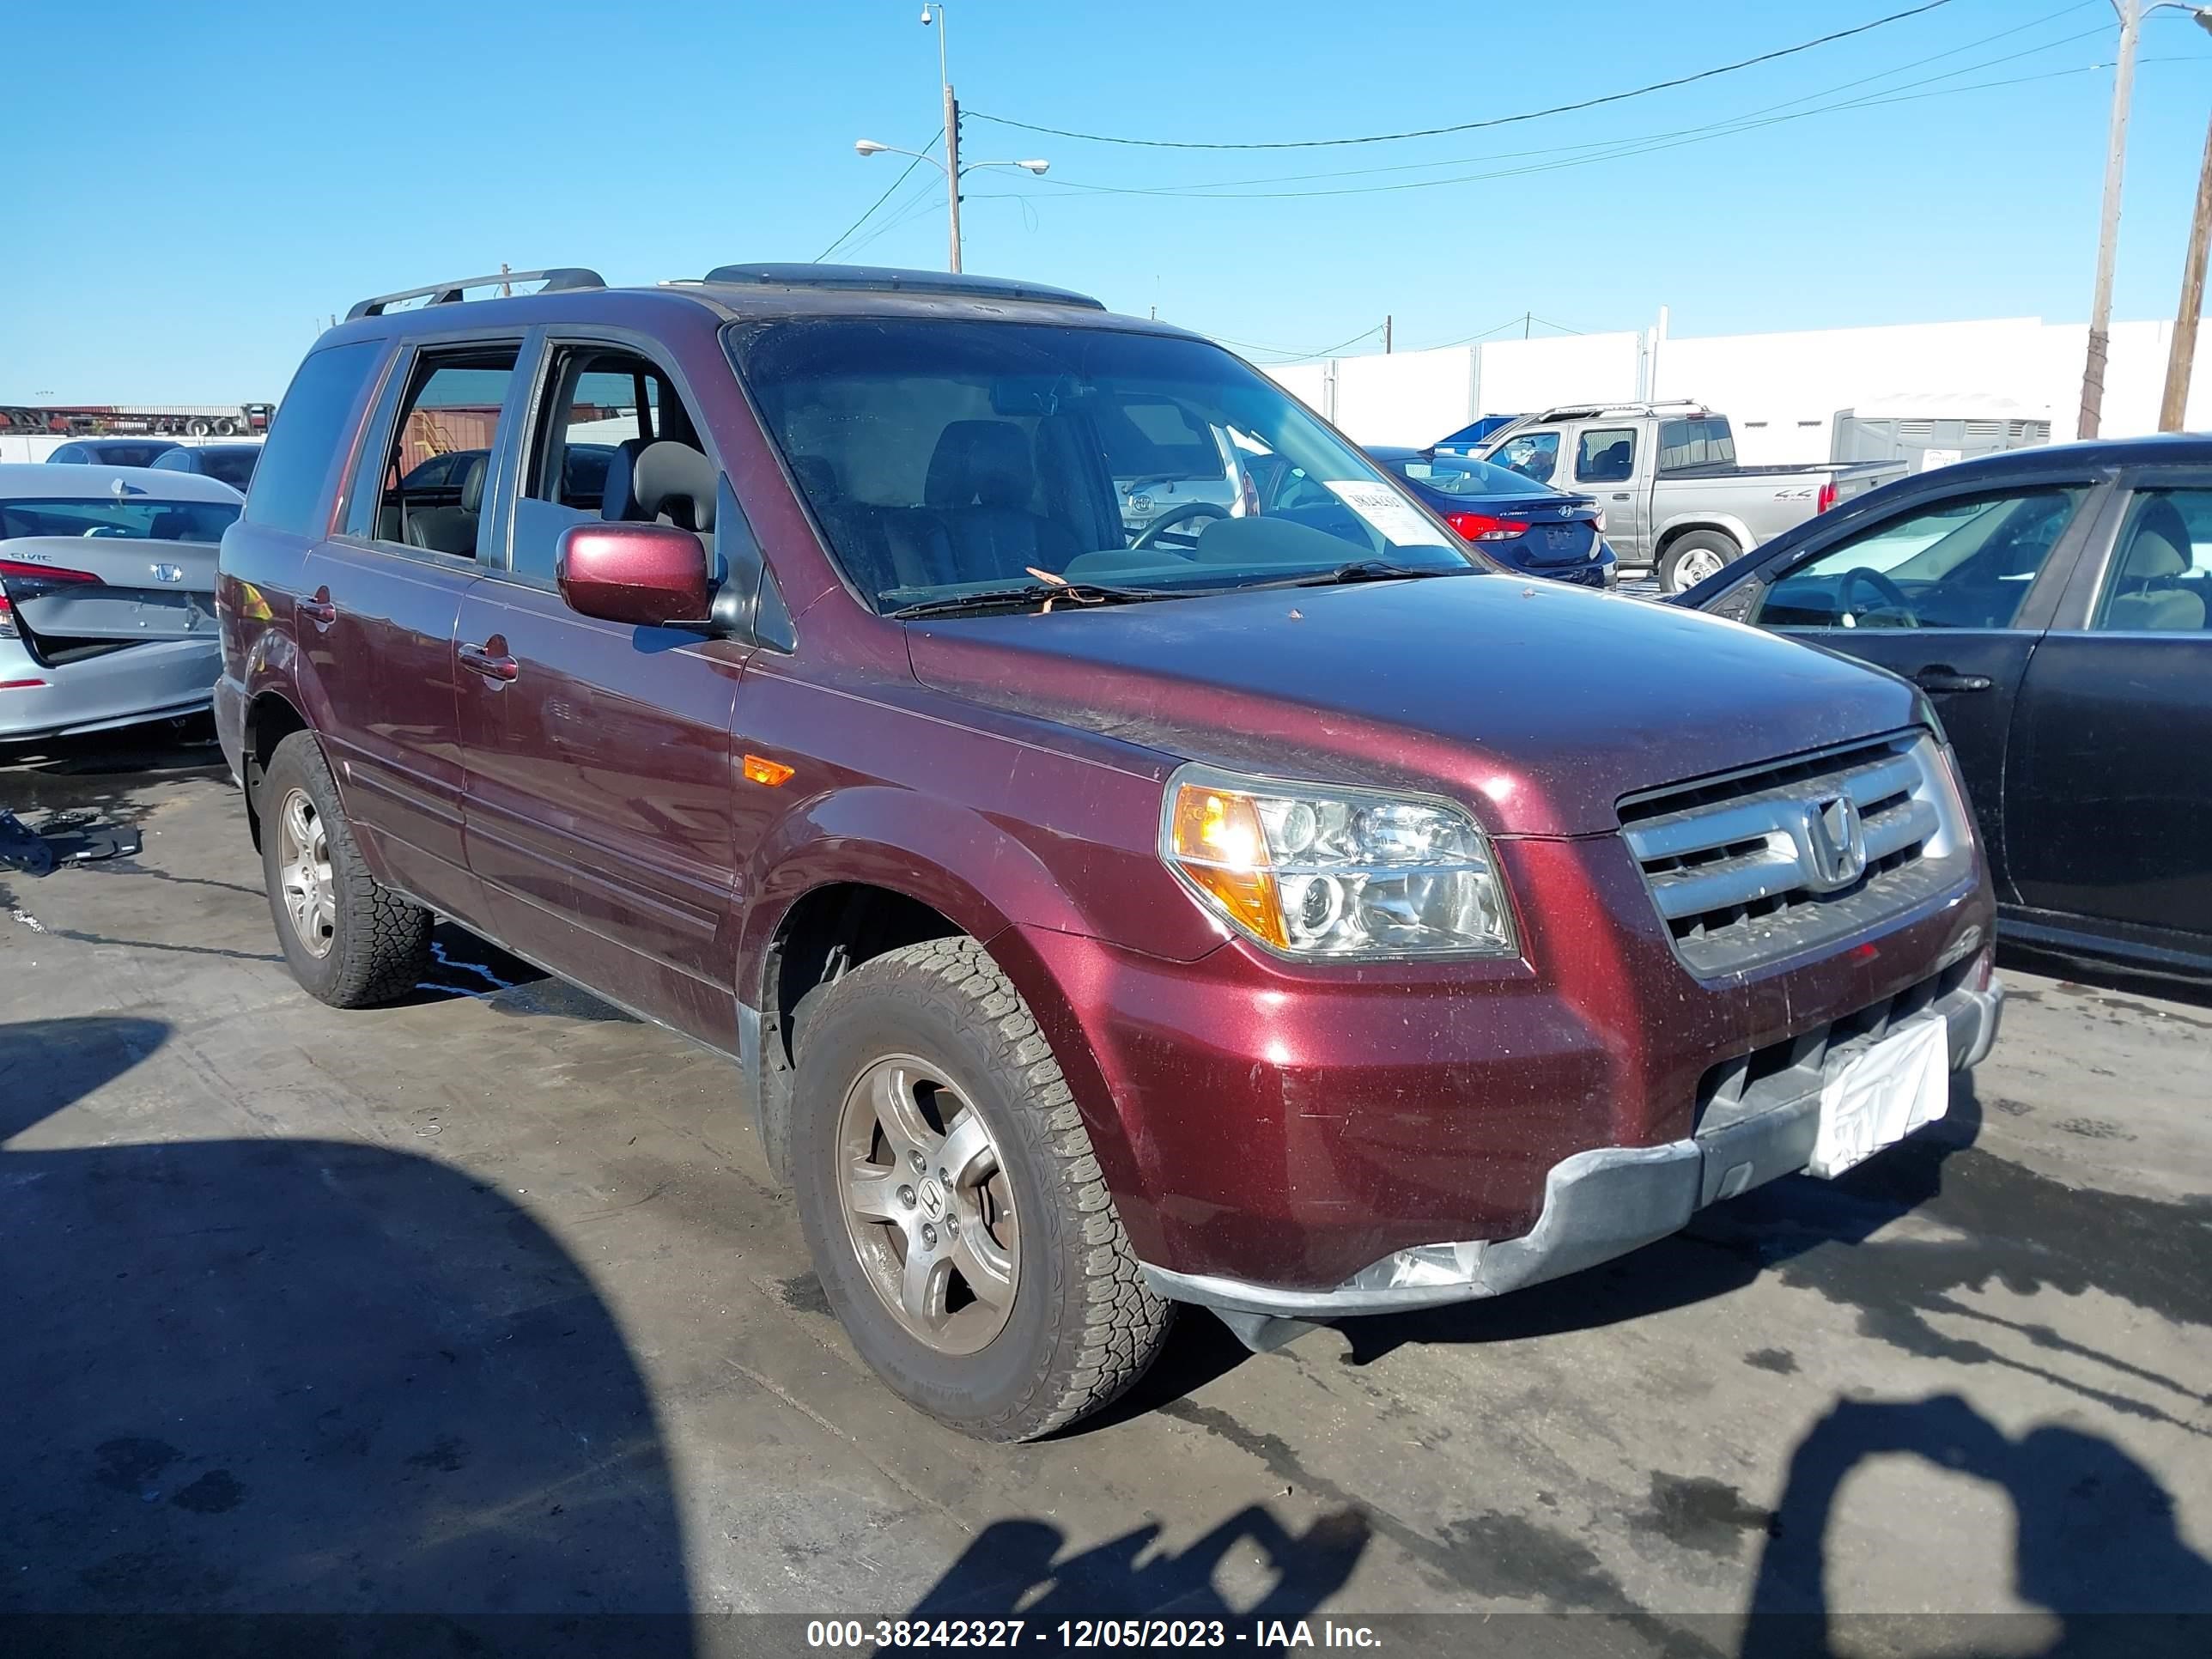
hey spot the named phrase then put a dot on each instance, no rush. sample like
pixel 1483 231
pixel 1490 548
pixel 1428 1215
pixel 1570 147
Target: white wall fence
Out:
pixel 1782 390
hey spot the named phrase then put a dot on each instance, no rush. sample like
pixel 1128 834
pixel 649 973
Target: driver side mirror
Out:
pixel 648 575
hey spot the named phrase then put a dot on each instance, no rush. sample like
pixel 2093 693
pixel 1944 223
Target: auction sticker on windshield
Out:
pixel 1386 511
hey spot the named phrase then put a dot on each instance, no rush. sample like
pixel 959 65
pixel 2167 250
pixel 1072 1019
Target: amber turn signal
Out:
pixel 1216 840
pixel 771 772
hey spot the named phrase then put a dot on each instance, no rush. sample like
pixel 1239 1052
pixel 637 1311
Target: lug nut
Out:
pixel 929 1235
pixel 920 1164
pixel 952 1226
pixel 944 1177
pixel 906 1196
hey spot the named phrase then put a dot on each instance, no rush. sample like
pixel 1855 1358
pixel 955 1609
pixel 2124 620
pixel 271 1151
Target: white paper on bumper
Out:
pixel 1884 1095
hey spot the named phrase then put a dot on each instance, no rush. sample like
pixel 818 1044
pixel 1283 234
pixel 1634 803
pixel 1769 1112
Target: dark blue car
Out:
pixel 1522 525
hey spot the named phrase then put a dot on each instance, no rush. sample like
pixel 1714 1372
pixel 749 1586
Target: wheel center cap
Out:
pixel 930 1198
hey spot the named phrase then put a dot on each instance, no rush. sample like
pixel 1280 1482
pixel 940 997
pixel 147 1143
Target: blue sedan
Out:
pixel 1522 525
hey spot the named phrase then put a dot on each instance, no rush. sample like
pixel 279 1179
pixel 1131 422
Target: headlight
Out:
pixel 1315 871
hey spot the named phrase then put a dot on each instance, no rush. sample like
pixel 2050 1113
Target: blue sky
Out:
pixel 210 180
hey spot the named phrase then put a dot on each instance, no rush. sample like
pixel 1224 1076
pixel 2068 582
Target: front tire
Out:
pixel 1691 557
pixel 348 939
pixel 955 1211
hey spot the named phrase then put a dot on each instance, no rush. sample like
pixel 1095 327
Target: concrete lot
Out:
pixel 487 1302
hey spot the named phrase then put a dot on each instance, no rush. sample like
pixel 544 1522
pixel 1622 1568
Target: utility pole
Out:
pixel 952 167
pixel 1527 317
pixel 935 15
pixel 1386 334
pixel 2181 356
pixel 2116 163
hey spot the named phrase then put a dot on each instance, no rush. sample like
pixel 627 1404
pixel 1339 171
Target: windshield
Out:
pixel 944 456
pixel 129 520
pixel 1450 475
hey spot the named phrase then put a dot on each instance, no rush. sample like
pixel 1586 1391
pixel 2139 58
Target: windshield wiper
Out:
pixel 1365 570
pixel 1045 593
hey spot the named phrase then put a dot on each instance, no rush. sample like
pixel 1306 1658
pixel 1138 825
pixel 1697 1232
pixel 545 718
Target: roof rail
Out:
pixel 447 294
pixel 889 279
pixel 1625 406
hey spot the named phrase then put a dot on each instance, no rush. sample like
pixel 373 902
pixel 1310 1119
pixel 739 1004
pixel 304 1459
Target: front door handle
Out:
pixel 493 664
pixel 1941 678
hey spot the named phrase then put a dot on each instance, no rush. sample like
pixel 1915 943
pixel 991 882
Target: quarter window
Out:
pixel 1605 454
pixel 307 437
pixel 2160 578
pixel 1966 562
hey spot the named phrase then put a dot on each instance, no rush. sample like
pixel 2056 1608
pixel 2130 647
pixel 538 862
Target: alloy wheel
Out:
pixel 303 866
pixel 927 1203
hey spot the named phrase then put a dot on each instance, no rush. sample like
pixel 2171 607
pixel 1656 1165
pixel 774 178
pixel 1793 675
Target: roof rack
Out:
pixel 1626 406
pixel 889 279
pixel 447 294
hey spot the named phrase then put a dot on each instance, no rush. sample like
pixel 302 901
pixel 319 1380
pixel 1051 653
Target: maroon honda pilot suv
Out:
pixel 1272 911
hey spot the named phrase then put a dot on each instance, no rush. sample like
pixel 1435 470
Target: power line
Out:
pixel 1648 144
pixel 1286 355
pixel 1472 126
pixel 1608 148
pixel 878 203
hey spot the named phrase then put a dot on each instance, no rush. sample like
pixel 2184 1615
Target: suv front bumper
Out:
pixel 1601 1203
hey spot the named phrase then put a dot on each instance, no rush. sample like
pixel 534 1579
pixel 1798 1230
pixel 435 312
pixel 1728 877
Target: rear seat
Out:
pixel 451 529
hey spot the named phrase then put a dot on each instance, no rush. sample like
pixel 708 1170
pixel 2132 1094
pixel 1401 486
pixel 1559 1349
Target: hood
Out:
pixel 1537 704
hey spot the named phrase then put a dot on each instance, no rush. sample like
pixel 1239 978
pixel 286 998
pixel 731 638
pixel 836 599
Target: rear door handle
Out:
pixel 319 611
pixel 492 664
pixel 1950 679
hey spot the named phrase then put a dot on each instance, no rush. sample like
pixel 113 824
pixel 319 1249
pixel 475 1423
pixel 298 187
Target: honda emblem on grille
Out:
pixel 1835 843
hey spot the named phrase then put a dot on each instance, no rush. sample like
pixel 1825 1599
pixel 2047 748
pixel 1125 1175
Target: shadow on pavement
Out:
pixel 2095 1541
pixel 269 1376
pixel 1019 1564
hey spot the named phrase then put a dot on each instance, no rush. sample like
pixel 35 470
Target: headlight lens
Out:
pixel 1316 870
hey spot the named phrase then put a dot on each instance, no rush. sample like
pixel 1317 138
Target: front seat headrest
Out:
pixel 472 484
pixel 2157 547
pixel 980 463
pixel 666 472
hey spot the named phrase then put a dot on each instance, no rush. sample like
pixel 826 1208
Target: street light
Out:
pixel 869 146
pixel 951 166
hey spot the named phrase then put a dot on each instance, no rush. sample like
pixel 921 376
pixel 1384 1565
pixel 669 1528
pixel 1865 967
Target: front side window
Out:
pixel 2160 580
pixel 307 437
pixel 1605 454
pixel 104 519
pixel 603 408
pixel 450 415
pixel 1532 455
pixel 944 456
pixel 1966 562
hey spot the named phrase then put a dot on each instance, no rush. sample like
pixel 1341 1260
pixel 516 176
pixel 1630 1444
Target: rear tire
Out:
pixel 348 939
pixel 1071 1324
pixel 1691 557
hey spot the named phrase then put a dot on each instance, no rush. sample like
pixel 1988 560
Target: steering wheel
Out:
pixel 1890 595
pixel 1177 515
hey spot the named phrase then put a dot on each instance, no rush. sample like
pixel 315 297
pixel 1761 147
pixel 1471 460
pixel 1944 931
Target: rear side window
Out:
pixel 306 436
pixel 1606 454
pixel 451 417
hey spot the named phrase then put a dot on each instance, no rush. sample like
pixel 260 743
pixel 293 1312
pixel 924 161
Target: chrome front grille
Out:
pixel 1754 866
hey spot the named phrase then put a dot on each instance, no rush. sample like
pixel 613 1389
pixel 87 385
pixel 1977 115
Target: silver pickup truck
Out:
pixel 1666 477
